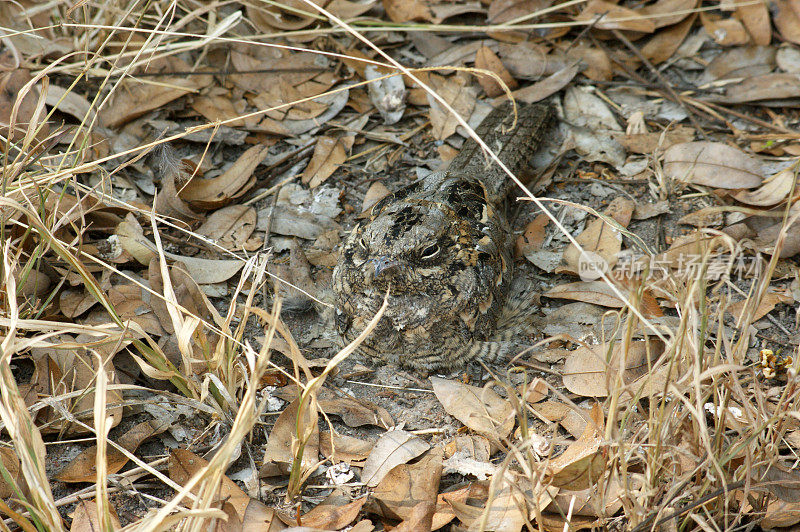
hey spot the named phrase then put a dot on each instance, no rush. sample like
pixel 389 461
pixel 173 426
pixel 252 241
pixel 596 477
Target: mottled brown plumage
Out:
pixel 440 247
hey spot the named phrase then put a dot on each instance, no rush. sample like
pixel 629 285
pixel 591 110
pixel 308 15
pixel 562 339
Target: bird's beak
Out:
pixel 384 265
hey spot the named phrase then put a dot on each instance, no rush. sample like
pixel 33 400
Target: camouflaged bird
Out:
pixel 440 248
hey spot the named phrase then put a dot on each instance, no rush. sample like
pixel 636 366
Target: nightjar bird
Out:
pixel 440 248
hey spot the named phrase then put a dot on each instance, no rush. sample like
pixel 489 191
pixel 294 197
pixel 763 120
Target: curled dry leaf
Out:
pixel 775 189
pixel 588 372
pixel 354 412
pixel 599 293
pixel 456 91
pixel 712 164
pixel 549 85
pixel 392 449
pixel 387 94
pixel 480 409
pixel 214 193
pixel 582 464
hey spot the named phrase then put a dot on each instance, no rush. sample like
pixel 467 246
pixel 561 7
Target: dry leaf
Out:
pixel 725 31
pixel 282 441
pixel 335 512
pixel 712 164
pixel 668 12
pixel 408 485
pixel 589 373
pixel 480 409
pixel 787 19
pixel 85 517
pixel 774 190
pixel 610 16
pixel 230 226
pixel 503 11
pixel 486 59
pixel 408 10
pixel 136 96
pixel 767 87
pixel 455 91
pixel 582 463
pixel 601 242
pixel 341 448
pixel 392 449
pixel 207 194
pixel 329 153
pixel 548 86
pixel 354 412
pixel 183 465
pixel 666 42
pixel 82 468
pixel 764 307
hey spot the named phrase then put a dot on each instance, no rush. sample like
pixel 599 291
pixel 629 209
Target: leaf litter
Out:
pixel 140 304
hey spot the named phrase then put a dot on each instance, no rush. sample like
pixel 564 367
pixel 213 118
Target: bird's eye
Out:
pixel 362 243
pixel 430 252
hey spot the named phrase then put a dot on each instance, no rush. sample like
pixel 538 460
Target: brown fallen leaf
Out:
pixel 354 412
pixel 183 465
pixel 774 190
pixel 230 226
pixel 712 164
pixel 342 448
pixel 589 372
pixel 667 41
pixel 136 97
pixel 668 12
pixel 11 465
pixel 764 307
pixel 609 16
pixel 335 512
pixel 279 451
pixel 533 237
pixel 480 409
pixel 407 11
pixel 329 153
pixel 392 449
pixel 787 20
pixel 601 243
pixel 755 18
pixel 208 194
pixel 457 92
pixel 86 518
pixel 582 464
pixel 486 59
pixel 502 11
pixel 258 517
pixel 82 468
pixel 407 486
pixel 725 31
pixel 767 87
